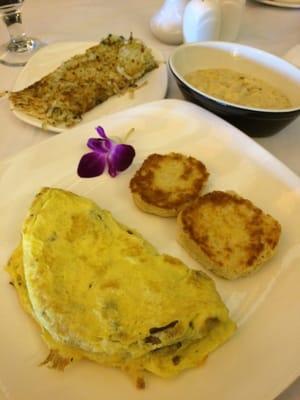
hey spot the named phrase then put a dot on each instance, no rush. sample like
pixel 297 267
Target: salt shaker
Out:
pixel 166 24
pixel 231 14
pixel 201 20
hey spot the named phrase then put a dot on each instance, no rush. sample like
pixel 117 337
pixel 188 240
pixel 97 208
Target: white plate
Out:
pixel 48 58
pixel 282 3
pixel 263 356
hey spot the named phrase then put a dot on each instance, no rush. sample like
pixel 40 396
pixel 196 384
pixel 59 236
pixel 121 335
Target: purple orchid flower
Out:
pixel 118 157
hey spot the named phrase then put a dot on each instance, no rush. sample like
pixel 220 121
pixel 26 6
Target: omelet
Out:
pixel 99 290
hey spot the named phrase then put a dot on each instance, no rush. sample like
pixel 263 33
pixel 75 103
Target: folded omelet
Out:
pixel 99 290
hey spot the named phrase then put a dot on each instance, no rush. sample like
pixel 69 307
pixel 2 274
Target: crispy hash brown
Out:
pixel 227 234
pixel 165 183
pixel 85 80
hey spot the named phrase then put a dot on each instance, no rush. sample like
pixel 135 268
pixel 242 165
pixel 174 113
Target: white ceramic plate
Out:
pixel 281 3
pixel 263 356
pixel 48 58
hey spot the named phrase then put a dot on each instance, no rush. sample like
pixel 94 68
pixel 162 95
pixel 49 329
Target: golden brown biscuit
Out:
pixel 227 234
pixel 165 183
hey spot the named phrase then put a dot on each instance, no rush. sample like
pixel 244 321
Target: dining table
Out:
pixel 272 28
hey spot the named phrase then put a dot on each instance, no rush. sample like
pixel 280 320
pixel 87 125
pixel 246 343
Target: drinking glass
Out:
pixel 20 47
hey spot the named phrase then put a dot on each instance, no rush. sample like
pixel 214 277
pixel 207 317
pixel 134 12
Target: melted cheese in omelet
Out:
pixel 98 290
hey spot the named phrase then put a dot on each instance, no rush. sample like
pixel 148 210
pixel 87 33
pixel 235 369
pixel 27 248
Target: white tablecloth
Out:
pixel 269 28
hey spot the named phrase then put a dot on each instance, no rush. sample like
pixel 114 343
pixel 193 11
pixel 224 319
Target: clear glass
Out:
pixel 20 47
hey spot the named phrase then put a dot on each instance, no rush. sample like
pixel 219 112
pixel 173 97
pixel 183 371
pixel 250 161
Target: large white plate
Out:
pixel 262 358
pixel 47 59
pixel 281 3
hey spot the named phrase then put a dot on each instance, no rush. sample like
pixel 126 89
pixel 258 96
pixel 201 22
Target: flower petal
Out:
pixel 97 145
pixel 119 158
pixel 91 164
pixel 101 132
pixel 107 142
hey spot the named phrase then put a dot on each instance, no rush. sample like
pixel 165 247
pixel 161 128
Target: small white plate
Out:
pixel 262 358
pixel 281 3
pixel 48 58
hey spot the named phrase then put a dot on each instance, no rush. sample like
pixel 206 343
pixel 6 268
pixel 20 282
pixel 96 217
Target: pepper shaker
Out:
pixel 201 20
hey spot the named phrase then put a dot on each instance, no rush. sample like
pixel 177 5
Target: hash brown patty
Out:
pixel 85 80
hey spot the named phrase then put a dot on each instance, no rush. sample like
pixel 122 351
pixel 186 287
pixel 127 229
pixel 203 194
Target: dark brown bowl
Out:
pixel 256 122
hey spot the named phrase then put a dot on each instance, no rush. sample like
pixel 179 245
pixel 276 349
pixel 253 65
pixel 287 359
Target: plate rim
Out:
pixel 293 175
pixel 280 3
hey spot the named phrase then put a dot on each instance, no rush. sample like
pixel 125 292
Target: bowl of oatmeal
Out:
pixel 254 90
